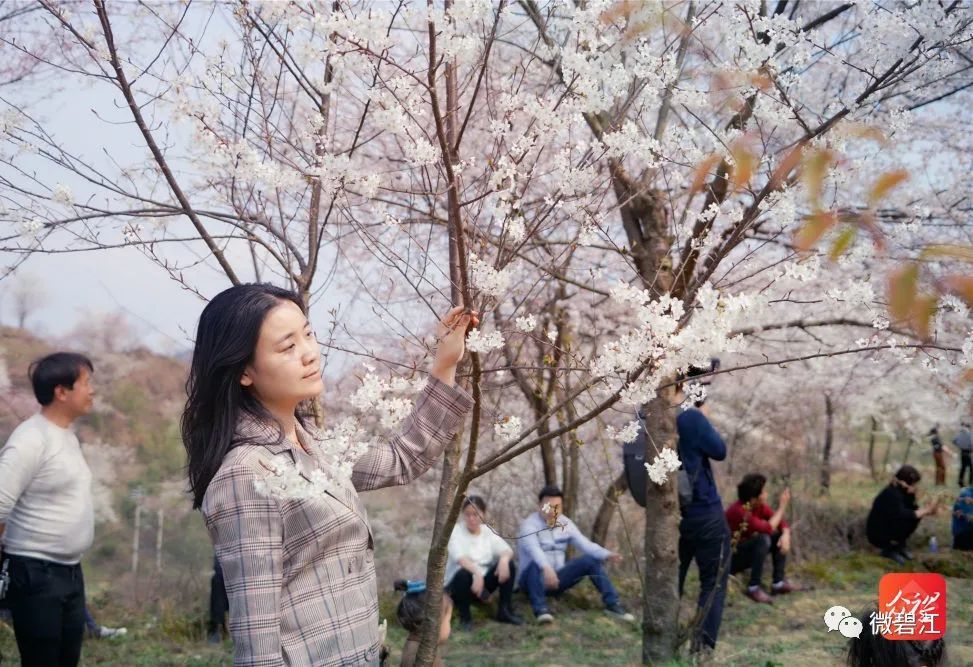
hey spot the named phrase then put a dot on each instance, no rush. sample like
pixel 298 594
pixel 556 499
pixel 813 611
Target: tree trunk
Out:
pixel 660 595
pixel 731 448
pixel 574 473
pixel 455 477
pixel 568 499
pixel 436 561
pixel 550 463
pixel 570 474
pixel 908 450
pixel 828 441
pixel 609 501
pixel 871 449
pixel 888 454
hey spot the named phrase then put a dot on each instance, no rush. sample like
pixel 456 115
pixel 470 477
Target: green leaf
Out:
pixel 885 183
pixel 903 284
pixel 814 228
pixel 843 242
pixel 923 310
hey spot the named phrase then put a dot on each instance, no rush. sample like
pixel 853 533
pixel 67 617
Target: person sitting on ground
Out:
pixel 478 562
pixel 963 520
pixel 895 515
pixel 873 650
pixel 410 615
pixel 757 530
pixel 542 546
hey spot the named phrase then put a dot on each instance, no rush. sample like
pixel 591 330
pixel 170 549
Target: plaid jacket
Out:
pixel 300 574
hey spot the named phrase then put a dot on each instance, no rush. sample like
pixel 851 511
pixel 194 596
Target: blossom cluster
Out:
pixel 334 455
pixel 477 341
pixel 626 434
pixel 665 462
pixel 508 428
pixel 385 397
pixel 488 280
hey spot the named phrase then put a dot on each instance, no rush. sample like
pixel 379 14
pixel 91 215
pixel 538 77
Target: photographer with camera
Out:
pixel 704 535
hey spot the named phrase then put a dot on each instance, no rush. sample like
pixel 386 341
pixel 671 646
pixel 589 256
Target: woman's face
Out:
pixel 473 519
pixel 286 362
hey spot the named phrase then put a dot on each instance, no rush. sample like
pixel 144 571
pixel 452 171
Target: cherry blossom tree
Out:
pixel 621 189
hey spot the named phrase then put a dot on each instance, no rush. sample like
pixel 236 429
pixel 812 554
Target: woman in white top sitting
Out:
pixel 479 562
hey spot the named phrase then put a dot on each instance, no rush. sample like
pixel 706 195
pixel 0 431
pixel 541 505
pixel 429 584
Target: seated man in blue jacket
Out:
pixel 544 538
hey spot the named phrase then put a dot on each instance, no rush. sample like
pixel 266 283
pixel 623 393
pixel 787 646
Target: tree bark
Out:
pixel 888 455
pixel 573 478
pixel 871 449
pixel 455 478
pixel 660 595
pixel 828 441
pixel 549 462
pixel 570 473
pixel 609 501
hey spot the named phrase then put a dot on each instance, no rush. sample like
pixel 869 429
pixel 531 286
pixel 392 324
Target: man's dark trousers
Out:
pixel 752 554
pixel 47 605
pixel 707 539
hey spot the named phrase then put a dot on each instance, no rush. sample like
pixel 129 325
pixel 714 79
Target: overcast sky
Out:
pixel 90 119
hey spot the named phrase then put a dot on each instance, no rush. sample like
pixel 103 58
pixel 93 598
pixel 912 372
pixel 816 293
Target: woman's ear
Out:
pixel 246 379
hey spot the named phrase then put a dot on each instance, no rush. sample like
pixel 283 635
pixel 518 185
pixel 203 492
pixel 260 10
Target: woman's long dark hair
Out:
pixel 225 342
pixel 871 650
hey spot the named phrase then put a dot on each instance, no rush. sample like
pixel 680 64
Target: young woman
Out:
pixel 479 562
pixel 289 529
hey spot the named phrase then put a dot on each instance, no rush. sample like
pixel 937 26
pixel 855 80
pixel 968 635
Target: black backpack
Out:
pixel 633 455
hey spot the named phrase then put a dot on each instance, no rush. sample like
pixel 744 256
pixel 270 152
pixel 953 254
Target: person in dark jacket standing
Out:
pixel 938 455
pixel 964 442
pixel 895 515
pixel 703 531
pixel 219 605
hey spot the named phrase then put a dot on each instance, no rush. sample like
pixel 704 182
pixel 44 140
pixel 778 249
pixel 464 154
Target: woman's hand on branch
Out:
pixel 451 337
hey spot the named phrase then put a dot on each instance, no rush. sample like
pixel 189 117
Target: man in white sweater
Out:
pixel 46 514
pixel 542 545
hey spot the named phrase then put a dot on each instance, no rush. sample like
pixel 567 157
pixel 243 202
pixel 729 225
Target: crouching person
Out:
pixel 542 545
pixel 479 562
pixel 759 531
pixel 410 616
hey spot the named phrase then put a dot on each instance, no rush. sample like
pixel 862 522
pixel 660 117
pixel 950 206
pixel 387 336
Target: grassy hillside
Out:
pixel 132 443
pixel 166 631
pixel 789 634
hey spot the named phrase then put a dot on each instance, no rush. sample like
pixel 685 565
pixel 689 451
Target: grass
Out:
pixel 789 634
